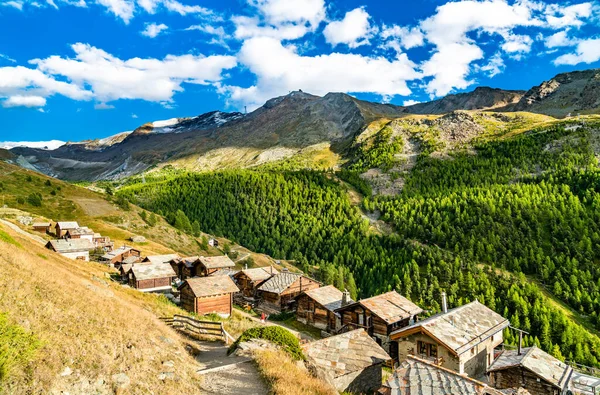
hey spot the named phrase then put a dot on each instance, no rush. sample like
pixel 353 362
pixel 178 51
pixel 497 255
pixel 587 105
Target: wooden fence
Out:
pixel 197 328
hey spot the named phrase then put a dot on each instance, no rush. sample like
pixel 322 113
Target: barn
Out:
pixel 80 233
pixel 316 307
pixel 278 293
pixel 210 264
pixel 120 254
pixel 351 362
pixel 248 280
pixel 206 295
pixel 151 277
pixel 61 228
pixel 156 259
pixel 42 227
pixel 74 249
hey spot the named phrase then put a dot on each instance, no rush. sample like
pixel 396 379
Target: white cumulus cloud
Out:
pixel 587 51
pixel 354 30
pixel 152 30
pixel 24 101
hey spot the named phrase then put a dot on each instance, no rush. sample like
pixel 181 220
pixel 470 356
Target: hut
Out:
pixel 210 264
pixel 61 228
pixel 42 227
pixel 278 292
pixel 103 242
pixel 380 315
pixel 350 362
pixel 80 233
pixel 156 259
pixel 316 307
pixel 151 277
pixel 248 280
pixel 206 295
pixel 117 256
pixel 418 376
pixel 73 249
pixel 462 339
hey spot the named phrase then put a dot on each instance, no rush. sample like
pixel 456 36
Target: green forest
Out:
pixel 509 225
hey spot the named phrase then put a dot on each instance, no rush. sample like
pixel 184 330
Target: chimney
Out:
pixel 245 266
pixel 444 303
pixel 345 298
pixel 520 346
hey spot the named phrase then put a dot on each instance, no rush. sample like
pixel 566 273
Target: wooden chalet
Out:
pixel 103 242
pixel 200 266
pixel 539 373
pixel 42 227
pixel 80 233
pixel 380 316
pixel 61 228
pixel 462 339
pixel 115 257
pixel 278 292
pixel 206 295
pixel 248 280
pixel 151 277
pixel 350 362
pixel 73 249
pixel 316 307
pixel 416 376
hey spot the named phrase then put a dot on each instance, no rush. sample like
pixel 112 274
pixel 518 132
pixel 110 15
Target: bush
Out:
pixel 275 334
pixel 283 316
pixel 17 347
pixel 35 199
pixel 48 183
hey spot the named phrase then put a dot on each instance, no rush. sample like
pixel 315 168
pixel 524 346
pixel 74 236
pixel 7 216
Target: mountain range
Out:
pixel 284 127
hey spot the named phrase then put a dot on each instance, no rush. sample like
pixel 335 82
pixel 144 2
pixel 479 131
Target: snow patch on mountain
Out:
pixel 46 145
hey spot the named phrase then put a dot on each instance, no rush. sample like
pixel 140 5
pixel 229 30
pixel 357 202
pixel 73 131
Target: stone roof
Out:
pixel 390 307
pixel 212 285
pixel 131 259
pixel 584 384
pixel 418 377
pixel 151 271
pixel 349 352
pixel 279 282
pixel 67 225
pixel 160 258
pixel 329 297
pixel 117 252
pixel 537 361
pixel 459 329
pixel 73 245
pixel 225 272
pixel 216 262
pixel 259 273
pixel 41 224
pixel 80 231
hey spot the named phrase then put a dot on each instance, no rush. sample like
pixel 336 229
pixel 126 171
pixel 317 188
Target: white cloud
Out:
pixel 517 44
pixel 134 116
pixel 14 4
pixel 50 145
pixel 120 8
pixel 7 58
pixel 103 106
pixel 559 16
pixel 494 67
pixel 280 69
pixel 110 78
pixel 560 39
pixel 219 36
pixel 149 6
pixel 587 51
pixel 24 101
pixel 282 19
pixel 408 37
pixel 354 30
pixel 410 103
pixel 152 30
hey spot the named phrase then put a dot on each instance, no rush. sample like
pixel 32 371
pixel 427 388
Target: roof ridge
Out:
pixel 452 372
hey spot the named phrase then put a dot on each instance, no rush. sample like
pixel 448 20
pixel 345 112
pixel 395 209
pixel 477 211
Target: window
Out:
pixel 433 350
pixel 427 349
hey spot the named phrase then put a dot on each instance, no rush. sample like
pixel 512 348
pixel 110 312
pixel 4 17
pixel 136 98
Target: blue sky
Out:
pixel 83 69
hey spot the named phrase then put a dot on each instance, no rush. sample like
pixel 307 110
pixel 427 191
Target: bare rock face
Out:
pixel 482 98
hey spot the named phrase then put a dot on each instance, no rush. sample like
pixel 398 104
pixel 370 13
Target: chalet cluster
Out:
pixel 74 241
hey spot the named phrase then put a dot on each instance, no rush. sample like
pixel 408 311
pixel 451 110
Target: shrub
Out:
pixel 275 334
pixel 17 347
pixel 48 183
pixel 35 199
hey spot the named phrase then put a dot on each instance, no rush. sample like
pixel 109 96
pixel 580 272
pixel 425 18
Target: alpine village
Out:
pixel 370 218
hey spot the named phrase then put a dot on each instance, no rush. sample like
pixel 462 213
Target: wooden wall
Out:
pixel 518 376
pixel 310 312
pixel 153 283
pixel 219 304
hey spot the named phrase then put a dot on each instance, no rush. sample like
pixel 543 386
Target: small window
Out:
pixel 433 350
pixel 422 347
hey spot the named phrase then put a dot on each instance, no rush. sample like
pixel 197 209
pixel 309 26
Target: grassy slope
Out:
pixel 84 321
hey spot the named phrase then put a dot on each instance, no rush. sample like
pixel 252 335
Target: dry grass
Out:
pixel 286 377
pixel 95 327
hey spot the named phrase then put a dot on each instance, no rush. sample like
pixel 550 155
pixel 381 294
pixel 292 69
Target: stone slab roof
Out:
pixel 211 286
pixel 349 352
pixel 259 273
pixel 41 224
pixel 131 259
pixel 151 271
pixel 279 282
pixel 537 361
pixel 117 252
pixel 225 272
pixel 80 231
pixel 390 307
pixel 329 297
pixel 74 245
pixel 459 329
pixel 584 384
pixel 216 262
pixel 67 225
pixel 418 377
pixel 160 258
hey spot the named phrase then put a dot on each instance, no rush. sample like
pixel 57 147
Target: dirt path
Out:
pixel 225 374
pixel 24 233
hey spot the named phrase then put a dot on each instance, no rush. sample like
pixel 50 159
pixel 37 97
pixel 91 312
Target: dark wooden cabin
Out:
pixel 316 307
pixel 206 295
pixel 278 293
pixel 380 316
pixel 248 280
pixel 119 255
pixel 42 227
pixel 61 228
pixel 151 277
